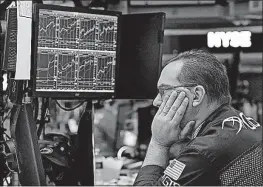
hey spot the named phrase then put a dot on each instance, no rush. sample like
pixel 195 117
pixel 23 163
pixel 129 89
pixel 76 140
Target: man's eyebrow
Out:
pixel 164 86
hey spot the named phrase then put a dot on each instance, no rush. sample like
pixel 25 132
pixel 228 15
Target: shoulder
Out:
pixel 228 137
pixel 240 122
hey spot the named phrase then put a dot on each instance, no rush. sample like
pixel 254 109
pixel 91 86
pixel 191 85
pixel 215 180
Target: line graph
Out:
pixel 66 71
pixel 45 71
pixel 63 71
pixel 106 35
pixel 77 32
pixel 87 34
pixel 47 31
pixel 67 33
pixel 86 71
pixel 105 72
pixel 76 52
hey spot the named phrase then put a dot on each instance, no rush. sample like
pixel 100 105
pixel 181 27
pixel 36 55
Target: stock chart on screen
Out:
pixel 76 52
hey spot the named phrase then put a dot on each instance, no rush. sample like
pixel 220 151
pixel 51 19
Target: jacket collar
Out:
pixel 214 116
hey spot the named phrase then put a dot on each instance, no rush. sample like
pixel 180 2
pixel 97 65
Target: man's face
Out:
pixel 167 81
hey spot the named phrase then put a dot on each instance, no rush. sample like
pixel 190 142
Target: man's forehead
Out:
pixel 169 74
pixel 174 66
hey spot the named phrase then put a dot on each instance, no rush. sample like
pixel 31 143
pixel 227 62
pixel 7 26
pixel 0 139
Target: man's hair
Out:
pixel 203 68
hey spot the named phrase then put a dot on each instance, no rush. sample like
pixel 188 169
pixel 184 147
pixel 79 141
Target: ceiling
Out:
pixel 204 22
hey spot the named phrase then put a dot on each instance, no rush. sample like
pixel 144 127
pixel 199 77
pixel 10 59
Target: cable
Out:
pixel 69 109
pixel 9 112
pixel 42 122
pixel 7 136
pixel 35 105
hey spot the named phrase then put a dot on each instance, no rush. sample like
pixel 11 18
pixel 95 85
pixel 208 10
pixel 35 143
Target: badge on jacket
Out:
pixel 175 169
pixel 243 121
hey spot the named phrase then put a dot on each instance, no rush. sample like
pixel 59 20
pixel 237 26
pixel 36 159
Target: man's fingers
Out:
pixel 180 112
pixel 187 130
pixel 169 103
pixel 176 105
pixel 162 105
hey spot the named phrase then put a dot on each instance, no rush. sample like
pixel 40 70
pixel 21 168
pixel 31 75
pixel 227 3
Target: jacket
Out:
pixel 226 151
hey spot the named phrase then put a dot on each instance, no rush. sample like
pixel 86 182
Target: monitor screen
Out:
pixel 76 52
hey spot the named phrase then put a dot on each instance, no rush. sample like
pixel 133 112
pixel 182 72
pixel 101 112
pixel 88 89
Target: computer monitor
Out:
pixel 75 52
pixel 141 55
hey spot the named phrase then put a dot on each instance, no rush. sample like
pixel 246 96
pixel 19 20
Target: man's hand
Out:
pixel 166 123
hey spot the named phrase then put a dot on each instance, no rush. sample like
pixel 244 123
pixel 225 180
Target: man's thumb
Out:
pixel 187 130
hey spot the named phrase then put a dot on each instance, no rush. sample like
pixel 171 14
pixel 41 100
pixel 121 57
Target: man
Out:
pixel 224 146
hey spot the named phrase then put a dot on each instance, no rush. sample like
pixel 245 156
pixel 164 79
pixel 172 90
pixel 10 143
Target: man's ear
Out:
pixel 199 94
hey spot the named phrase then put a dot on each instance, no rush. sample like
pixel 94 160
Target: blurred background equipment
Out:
pixel 122 126
pixel 145 118
pixel 23 130
pixel 56 150
pixel 105 124
pixel 95 3
pixel 174 3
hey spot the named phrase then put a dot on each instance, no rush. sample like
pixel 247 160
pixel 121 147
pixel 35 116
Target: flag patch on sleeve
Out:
pixel 175 169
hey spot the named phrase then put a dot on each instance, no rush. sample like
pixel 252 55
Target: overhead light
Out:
pixel 236 22
pixel 243 22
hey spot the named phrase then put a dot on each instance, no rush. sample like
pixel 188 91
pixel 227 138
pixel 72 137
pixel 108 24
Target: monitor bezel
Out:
pixel 71 95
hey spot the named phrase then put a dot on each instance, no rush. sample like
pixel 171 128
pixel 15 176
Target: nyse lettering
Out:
pixel 229 39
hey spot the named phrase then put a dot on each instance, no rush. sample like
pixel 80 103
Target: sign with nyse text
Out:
pixel 229 39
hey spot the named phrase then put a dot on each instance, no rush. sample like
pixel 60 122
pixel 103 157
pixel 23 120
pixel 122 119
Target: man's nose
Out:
pixel 157 101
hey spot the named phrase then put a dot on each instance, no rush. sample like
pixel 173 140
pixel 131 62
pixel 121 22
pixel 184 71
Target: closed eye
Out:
pixel 165 87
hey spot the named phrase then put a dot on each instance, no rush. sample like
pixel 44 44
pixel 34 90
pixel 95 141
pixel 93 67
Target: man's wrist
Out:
pixel 159 146
pixel 157 155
